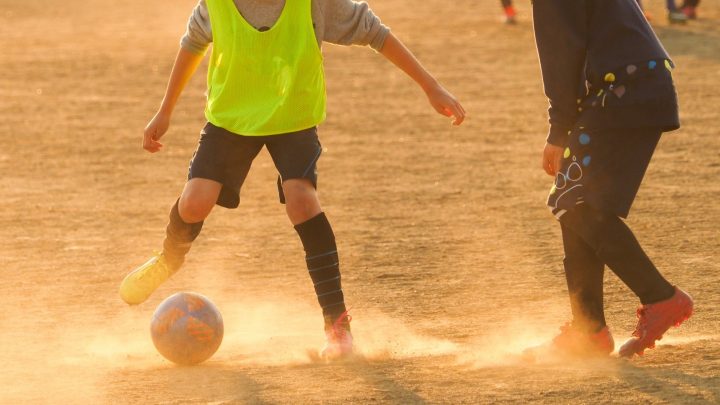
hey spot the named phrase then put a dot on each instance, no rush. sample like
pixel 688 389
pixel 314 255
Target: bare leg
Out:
pixel 198 199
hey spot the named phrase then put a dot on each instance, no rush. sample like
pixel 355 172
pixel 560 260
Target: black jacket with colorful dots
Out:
pixel 602 66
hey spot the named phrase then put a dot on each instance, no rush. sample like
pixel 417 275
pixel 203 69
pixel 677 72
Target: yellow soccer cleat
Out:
pixel 141 282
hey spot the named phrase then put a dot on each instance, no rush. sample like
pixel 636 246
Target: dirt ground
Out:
pixel 450 260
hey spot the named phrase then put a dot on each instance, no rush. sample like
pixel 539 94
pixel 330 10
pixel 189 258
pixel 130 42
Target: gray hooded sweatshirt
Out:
pixel 342 22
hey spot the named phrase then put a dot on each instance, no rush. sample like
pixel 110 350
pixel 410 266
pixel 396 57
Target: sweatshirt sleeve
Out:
pixel 198 34
pixel 348 22
pixel 561 37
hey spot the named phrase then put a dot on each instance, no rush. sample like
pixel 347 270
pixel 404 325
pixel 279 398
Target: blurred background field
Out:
pixel 450 259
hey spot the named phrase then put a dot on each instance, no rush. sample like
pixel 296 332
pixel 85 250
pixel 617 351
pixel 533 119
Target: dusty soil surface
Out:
pixel 450 260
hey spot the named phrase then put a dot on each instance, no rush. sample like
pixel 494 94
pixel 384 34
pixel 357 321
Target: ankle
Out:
pixel 337 320
pixel 173 261
pixel 660 294
pixel 588 326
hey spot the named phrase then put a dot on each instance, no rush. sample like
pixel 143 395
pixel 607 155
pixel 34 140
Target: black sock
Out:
pixel 615 244
pixel 179 237
pixel 323 264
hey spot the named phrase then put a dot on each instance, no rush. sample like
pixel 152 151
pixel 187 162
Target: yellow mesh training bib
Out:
pixel 264 83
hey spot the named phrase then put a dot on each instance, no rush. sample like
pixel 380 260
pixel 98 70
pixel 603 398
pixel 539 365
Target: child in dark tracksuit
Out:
pixel 609 83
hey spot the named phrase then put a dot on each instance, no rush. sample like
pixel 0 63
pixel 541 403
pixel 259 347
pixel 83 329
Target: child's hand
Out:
pixel 154 130
pixel 446 104
pixel 552 155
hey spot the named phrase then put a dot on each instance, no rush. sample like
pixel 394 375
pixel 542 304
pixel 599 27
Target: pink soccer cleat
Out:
pixel 339 339
pixel 655 319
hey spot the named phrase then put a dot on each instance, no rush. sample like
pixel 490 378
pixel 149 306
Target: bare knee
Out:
pixel 301 200
pixel 198 199
pixel 193 210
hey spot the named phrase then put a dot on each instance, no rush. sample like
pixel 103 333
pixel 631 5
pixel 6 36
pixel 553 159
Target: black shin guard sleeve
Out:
pixel 179 236
pixel 323 264
pixel 316 235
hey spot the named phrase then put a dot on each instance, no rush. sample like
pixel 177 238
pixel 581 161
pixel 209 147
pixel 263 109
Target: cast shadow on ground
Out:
pixel 376 373
pixel 230 383
pixel 205 383
pixel 670 385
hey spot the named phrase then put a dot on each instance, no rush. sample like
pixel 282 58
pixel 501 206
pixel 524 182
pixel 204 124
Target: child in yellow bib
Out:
pixel 264 82
pixel 266 88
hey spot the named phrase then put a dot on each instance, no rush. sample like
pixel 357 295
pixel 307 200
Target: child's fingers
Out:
pixel 151 145
pixel 460 117
pixel 457 114
pixel 456 111
pixel 451 109
pixel 547 166
pixel 443 110
pixel 552 159
pixel 152 148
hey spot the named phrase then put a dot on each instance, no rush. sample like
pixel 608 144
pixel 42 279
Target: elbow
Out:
pixel 193 47
pixel 377 41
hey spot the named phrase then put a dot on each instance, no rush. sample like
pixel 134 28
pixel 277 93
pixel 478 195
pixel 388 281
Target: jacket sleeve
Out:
pixel 348 22
pixel 198 34
pixel 561 37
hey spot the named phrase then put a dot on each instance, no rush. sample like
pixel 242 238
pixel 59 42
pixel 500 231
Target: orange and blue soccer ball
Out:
pixel 187 328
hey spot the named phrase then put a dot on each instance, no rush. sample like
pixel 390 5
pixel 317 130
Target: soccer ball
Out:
pixel 187 328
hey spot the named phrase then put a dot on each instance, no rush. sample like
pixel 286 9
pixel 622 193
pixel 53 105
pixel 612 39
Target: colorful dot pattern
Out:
pixel 616 84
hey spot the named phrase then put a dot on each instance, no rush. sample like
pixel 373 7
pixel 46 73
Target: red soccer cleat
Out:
pixel 655 319
pixel 575 342
pixel 510 15
pixel 690 12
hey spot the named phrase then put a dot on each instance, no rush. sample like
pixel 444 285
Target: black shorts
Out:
pixel 226 157
pixel 603 168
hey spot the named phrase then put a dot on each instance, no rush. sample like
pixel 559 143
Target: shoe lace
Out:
pixel 566 330
pixel 153 275
pixel 571 330
pixel 340 326
pixel 642 315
